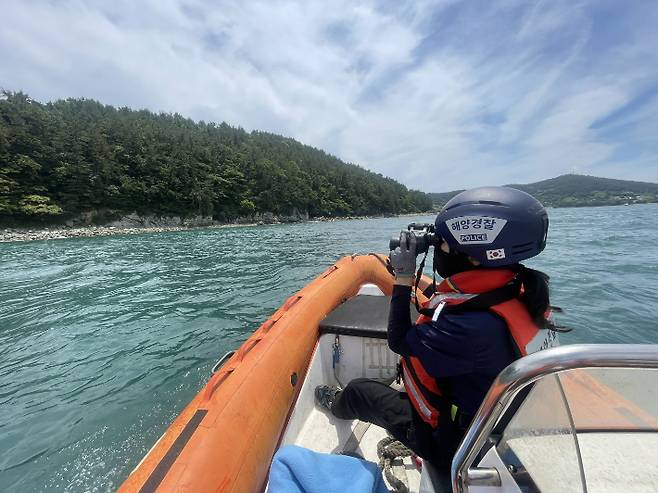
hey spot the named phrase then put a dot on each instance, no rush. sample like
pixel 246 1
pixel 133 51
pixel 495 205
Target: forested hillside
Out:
pixel 579 190
pixel 64 158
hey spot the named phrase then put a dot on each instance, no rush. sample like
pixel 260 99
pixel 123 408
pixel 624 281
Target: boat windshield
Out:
pixel 593 430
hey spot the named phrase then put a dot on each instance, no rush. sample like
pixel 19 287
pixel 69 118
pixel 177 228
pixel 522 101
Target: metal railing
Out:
pixel 524 372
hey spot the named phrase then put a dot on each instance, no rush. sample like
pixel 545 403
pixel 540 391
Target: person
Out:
pixel 488 311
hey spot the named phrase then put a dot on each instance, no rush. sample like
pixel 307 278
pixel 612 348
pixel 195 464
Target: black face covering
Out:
pixel 448 264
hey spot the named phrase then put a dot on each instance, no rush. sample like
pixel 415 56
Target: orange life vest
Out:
pixel 424 390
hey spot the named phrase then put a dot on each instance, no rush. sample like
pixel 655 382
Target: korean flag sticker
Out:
pixel 496 254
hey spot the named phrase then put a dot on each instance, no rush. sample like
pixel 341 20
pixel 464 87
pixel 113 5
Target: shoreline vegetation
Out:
pixel 78 168
pixel 62 160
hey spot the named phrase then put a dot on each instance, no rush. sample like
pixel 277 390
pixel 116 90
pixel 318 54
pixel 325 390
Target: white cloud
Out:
pixel 439 95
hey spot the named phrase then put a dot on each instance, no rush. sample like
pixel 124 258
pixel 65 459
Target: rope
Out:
pixel 335 358
pixel 389 449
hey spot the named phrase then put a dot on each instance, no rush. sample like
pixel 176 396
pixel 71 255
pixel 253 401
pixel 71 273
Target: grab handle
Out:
pixel 222 360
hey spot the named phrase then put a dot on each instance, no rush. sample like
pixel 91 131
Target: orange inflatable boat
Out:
pixel 225 438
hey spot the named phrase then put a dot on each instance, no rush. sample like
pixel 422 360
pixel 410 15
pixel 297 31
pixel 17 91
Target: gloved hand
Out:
pixel 403 258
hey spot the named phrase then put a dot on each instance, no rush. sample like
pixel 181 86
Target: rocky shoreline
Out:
pixel 131 225
pixel 11 235
pixel 81 227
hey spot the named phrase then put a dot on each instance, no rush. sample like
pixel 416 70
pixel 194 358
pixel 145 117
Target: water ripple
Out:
pixel 106 339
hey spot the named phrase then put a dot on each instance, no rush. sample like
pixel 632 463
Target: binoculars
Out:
pixel 425 234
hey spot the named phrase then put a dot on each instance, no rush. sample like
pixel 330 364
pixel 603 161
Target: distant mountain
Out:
pixel 578 191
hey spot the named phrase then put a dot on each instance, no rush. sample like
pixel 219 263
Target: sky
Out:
pixel 439 95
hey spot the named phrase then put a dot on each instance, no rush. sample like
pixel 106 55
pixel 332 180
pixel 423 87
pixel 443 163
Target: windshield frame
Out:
pixel 528 370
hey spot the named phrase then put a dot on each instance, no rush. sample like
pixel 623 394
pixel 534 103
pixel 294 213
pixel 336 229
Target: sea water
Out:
pixel 105 340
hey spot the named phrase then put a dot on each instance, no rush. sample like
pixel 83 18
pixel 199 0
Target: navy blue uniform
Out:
pixel 469 349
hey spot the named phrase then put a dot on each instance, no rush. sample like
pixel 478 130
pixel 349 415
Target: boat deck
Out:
pixel 314 428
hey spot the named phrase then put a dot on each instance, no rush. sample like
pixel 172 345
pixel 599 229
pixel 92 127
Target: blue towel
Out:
pixel 299 470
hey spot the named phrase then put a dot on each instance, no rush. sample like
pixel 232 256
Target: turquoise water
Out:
pixel 104 340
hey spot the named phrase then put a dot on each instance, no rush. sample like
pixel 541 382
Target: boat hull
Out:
pixel 225 438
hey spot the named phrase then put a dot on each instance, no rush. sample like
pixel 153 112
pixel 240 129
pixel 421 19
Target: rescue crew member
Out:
pixel 488 311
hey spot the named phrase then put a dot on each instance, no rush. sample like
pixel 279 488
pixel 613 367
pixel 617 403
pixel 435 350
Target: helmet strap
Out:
pixel 419 274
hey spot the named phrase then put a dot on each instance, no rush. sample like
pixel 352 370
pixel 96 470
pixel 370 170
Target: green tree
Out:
pixel 62 158
pixel 38 205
